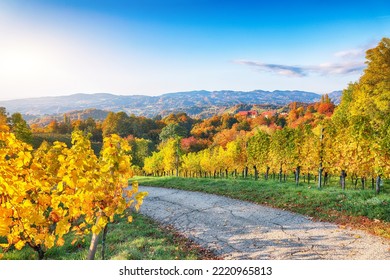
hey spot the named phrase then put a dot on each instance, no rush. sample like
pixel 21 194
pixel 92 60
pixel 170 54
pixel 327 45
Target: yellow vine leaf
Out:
pixel 49 241
pixel 62 227
pixel 4 229
pixel 60 242
pixel 95 229
pixel 20 244
pixel 60 186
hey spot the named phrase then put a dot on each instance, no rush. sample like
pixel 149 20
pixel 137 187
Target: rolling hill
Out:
pixel 195 103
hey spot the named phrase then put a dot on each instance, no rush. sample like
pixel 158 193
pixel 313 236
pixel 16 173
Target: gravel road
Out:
pixel 237 230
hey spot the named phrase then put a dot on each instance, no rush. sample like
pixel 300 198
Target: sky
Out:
pixel 151 47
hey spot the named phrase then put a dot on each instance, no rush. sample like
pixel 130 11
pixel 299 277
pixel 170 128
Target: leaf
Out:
pixel 49 241
pixel 140 197
pixel 62 227
pixel 20 244
pixel 96 230
pixel 60 242
pixel 4 229
pixel 134 185
pixel 60 186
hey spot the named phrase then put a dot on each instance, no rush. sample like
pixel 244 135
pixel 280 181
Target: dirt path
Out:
pixel 241 230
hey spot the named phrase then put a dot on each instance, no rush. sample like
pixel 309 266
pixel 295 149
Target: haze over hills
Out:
pixel 195 103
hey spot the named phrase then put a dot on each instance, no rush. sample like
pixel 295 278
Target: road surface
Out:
pixel 235 229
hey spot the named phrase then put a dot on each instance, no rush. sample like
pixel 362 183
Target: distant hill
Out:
pixel 44 120
pixel 195 103
pixel 335 96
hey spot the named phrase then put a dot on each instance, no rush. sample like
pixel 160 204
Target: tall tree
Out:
pixel 116 123
pixel 364 114
pixel 258 149
pixel 3 116
pixel 172 131
pixel 140 149
pixel 20 128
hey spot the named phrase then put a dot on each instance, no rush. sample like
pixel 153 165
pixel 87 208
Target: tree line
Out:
pixel 318 141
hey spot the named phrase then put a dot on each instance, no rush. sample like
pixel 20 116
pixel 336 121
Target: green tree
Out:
pixel 20 128
pixel 181 119
pixel 172 131
pixel 140 149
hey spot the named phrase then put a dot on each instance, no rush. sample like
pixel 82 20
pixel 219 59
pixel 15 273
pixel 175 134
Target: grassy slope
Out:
pixel 356 208
pixel 141 240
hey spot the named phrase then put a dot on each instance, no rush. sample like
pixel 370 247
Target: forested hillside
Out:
pixel 200 104
pixel 349 140
pixel 352 140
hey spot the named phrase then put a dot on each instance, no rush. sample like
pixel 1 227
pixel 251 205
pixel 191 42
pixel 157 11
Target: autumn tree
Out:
pixel 225 136
pixel 205 163
pixel 181 119
pixel 116 123
pixel 52 127
pixel 236 155
pixel 90 126
pixel 47 193
pixel 192 144
pixel 363 115
pixel 3 116
pixel 325 106
pixel 171 154
pixel 140 149
pixel 218 156
pixel 191 163
pixel 258 149
pixel 154 164
pixel 281 152
pixel 310 151
pixel 207 128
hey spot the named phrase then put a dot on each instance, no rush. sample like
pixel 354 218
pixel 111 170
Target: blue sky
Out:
pixel 152 47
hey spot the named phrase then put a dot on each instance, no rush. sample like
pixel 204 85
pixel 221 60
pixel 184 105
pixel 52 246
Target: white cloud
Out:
pixel 348 62
pixel 284 70
pixel 325 69
pixel 353 53
pixel 343 68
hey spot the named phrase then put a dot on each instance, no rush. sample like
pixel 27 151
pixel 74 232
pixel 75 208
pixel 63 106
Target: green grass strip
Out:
pixel 142 239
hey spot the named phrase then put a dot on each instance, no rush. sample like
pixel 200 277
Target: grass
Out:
pixel 143 239
pixel 361 209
